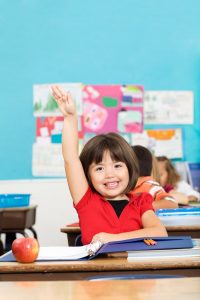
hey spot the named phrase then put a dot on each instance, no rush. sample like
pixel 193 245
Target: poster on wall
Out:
pixel 112 108
pixel 47 160
pixel 130 117
pixel 44 103
pixel 49 129
pixel 101 108
pixel 166 142
pixel 168 107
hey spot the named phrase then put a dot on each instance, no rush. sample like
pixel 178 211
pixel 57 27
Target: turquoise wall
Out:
pixel 150 42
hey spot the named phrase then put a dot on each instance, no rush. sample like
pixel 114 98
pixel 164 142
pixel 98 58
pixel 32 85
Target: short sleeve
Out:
pixel 143 202
pixel 84 200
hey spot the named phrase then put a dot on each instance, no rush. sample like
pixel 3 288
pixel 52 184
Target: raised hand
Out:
pixel 64 101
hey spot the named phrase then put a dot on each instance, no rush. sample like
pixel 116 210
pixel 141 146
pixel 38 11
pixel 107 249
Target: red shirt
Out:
pixel 97 215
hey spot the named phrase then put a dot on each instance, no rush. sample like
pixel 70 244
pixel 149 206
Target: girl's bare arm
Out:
pixel 76 179
pixel 152 227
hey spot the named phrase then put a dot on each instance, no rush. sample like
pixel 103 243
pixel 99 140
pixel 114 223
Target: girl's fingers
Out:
pixel 57 92
pixel 61 96
pixel 69 97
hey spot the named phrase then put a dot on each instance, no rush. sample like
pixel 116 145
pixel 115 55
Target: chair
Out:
pixel 78 241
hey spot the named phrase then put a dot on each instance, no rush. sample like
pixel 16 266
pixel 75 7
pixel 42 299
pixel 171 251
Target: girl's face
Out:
pixel 163 173
pixel 109 178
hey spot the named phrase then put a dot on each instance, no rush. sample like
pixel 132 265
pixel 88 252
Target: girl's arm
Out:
pixel 164 203
pixel 152 227
pixel 179 197
pixel 76 179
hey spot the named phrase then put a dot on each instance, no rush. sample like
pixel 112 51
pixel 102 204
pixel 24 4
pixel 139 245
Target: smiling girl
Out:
pixel 100 181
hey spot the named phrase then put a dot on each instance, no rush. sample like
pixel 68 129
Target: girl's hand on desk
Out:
pixel 64 101
pixel 103 237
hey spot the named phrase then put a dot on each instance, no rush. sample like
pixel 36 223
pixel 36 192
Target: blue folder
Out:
pixel 162 243
pixel 182 211
pixel 138 244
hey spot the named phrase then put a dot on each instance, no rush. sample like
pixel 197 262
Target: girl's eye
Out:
pixel 118 165
pixel 99 168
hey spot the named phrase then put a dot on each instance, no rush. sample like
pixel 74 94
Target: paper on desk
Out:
pixel 62 253
pixel 67 253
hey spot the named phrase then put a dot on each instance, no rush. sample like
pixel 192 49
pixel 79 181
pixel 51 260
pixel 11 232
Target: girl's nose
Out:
pixel 109 172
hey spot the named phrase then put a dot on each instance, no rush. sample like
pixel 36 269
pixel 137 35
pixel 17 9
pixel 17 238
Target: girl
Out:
pixel 100 182
pixel 171 181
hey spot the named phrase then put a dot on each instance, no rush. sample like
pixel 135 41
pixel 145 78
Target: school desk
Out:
pixel 114 264
pixel 18 220
pixel 156 289
pixel 190 230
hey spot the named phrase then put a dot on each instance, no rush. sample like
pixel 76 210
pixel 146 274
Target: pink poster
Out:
pixel 106 106
pixel 101 106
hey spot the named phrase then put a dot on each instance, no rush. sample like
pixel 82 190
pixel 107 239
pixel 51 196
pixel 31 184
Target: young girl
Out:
pixel 171 181
pixel 100 182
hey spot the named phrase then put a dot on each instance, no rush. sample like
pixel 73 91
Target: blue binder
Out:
pixel 138 244
pixel 162 243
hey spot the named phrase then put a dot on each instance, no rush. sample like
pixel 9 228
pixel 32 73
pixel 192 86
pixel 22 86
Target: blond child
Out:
pixel 171 180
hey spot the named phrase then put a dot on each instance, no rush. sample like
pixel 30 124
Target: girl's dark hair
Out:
pixel 119 149
pixel 173 175
pixel 145 160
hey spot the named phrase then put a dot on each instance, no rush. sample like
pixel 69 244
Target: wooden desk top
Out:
pixel 72 229
pixel 156 289
pixel 19 208
pixel 111 263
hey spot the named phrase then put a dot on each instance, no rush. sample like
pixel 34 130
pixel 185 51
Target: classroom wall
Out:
pixel 153 43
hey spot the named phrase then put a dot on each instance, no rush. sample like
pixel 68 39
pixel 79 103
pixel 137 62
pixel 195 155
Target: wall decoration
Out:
pixel 101 108
pixel 44 103
pixel 113 108
pixel 168 107
pixel 166 142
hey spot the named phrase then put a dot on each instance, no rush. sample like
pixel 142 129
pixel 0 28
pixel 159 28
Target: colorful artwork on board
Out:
pixel 49 129
pixel 166 142
pixel 101 109
pixel 112 108
pixel 130 118
pixel 101 104
pixel 44 103
pixel 166 107
pixel 45 125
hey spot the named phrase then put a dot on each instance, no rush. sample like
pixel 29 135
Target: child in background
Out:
pixel 171 181
pixel 146 181
pixel 100 181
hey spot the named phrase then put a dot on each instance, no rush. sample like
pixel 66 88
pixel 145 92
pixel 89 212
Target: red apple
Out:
pixel 25 250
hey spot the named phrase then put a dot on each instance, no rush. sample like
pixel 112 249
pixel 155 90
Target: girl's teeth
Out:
pixel 111 184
